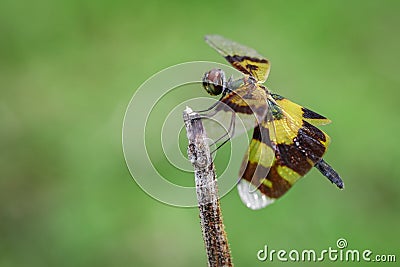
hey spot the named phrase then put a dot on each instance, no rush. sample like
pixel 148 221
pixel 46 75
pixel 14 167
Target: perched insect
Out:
pixel 286 143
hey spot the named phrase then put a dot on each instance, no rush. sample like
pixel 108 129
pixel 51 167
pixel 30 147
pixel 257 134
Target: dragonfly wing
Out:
pixel 300 113
pixel 295 146
pixel 243 58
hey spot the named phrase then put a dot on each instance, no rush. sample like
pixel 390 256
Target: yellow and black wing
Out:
pixel 298 112
pixel 243 58
pixel 283 149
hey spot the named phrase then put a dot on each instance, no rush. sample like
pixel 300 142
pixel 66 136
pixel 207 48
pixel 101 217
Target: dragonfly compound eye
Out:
pixel 214 81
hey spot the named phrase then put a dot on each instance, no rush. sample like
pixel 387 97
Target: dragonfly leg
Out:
pixel 212 106
pixel 227 135
pixel 203 116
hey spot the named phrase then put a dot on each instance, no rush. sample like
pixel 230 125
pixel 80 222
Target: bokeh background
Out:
pixel 69 68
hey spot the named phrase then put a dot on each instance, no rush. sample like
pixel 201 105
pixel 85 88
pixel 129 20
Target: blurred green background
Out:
pixel 69 68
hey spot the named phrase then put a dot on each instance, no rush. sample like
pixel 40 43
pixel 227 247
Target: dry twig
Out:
pixel 212 226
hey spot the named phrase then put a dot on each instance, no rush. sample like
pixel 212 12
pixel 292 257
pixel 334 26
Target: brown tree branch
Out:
pixel 212 226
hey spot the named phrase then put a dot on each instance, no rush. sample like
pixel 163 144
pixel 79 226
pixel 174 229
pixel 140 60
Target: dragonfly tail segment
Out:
pixel 329 173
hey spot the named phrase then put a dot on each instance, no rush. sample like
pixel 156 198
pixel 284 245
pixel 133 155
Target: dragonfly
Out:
pixel 286 142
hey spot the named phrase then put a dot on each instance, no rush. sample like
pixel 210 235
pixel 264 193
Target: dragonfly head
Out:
pixel 214 81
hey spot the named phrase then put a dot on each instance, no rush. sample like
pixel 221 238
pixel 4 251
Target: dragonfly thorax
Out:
pixel 214 81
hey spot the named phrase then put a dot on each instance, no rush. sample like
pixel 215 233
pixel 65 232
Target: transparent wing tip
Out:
pixel 213 36
pixel 252 197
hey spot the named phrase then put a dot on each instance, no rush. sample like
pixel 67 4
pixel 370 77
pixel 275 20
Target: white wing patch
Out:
pixel 252 197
